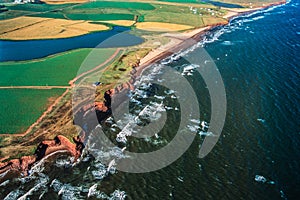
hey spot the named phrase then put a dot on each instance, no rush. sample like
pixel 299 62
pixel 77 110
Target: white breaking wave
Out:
pixel 66 191
pixel 4 183
pixel 151 112
pixel 259 178
pixel 13 195
pixel 118 195
pixel 41 184
pixel 188 70
pixel 93 192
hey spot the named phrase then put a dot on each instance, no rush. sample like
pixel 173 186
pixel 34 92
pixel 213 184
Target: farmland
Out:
pixel 156 11
pixel 23 107
pixel 49 21
pixel 36 21
pixel 54 70
pixel 26 28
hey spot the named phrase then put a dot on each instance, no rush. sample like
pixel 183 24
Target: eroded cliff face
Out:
pixel 60 142
pixel 45 148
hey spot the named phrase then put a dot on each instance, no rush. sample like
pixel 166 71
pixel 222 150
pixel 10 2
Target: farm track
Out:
pixel 68 88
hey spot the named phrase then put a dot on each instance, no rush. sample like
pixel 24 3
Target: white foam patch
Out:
pixel 94 192
pixel 258 18
pixel 64 162
pixel 117 195
pixel 39 167
pixel 196 121
pixel 13 195
pixel 168 108
pixel 203 133
pixel 40 184
pixel 4 183
pixel 66 191
pixel 169 92
pixel 99 174
pixel 180 178
pixel 159 97
pixel 227 43
pixel 157 140
pixel 4 173
pixel 151 112
pixel 193 128
pixel 188 70
pixel 260 179
pixel 261 120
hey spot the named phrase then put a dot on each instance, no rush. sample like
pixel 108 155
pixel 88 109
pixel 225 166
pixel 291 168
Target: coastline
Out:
pixel 177 42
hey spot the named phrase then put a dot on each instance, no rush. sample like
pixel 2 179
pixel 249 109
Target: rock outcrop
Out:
pixel 45 148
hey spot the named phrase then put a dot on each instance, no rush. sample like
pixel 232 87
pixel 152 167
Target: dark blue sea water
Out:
pixel 32 49
pixel 223 4
pixel 257 155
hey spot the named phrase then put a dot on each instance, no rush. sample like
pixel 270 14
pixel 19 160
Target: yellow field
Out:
pixel 120 22
pixel 161 27
pixel 10 25
pixel 24 28
pixel 213 21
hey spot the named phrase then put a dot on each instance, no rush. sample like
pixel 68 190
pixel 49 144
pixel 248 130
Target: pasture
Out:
pixel 23 107
pixel 55 70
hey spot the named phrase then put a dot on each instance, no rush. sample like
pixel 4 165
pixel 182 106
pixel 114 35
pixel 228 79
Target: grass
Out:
pixel 12 14
pixel 180 15
pixel 55 70
pixel 119 71
pixel 23 107
pixel 17 10
pixel 36 7
pixel 54 14
pixel 161 27
pixel 185 1
pixel 119 22
pixel 156 11
pixel 120 5
pixel 100 17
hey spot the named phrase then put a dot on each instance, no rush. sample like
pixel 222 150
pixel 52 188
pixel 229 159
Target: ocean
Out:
pixel 255 157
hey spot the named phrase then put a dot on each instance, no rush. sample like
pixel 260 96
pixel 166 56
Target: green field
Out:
pixel 18 10
pixel 112 10
pixel 56 70
pixel 37 7
pixel 113 4
pixel 141 12
pixel 100 17
pixel 23 107
pixel 184 1
pixel 100 10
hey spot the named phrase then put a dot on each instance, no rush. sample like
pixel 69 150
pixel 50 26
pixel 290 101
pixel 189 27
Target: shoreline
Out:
pixel 177 42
